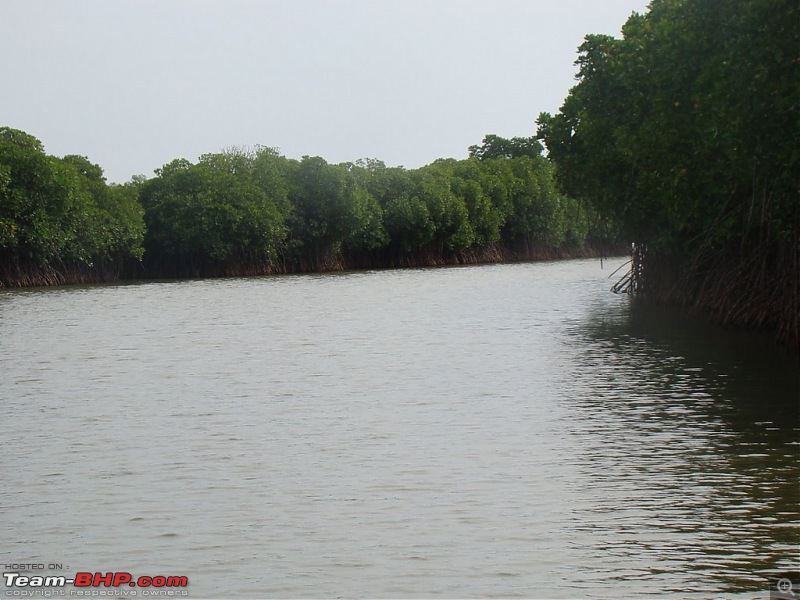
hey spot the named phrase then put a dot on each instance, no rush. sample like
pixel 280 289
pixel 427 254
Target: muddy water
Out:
pixel 512 431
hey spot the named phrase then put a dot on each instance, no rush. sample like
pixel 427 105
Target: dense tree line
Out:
pixel 680 136
pixel 247 211
pixel 59 220
pixel 684 134
pixel 254 210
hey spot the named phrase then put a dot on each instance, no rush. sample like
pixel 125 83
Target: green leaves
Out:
pixel 58 213
pixel 255 211
pixel 685 135
pixel 408 223
pixel 494 146
pixel 214 214
pixel 684 120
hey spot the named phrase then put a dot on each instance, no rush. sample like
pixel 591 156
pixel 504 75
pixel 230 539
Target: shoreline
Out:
pixel 69 275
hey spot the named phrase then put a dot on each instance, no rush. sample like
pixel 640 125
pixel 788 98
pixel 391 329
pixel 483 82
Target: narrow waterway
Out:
pixel 504 430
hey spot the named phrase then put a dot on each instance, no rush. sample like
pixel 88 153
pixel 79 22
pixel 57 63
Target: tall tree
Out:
pixel 58 217
pixel 685 133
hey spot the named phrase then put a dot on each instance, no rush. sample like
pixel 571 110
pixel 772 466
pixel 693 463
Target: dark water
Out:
pixel 497 431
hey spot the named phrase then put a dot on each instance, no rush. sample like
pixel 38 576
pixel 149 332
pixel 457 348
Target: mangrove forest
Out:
pixel 680 138
pixel 684 133
pixel 254 211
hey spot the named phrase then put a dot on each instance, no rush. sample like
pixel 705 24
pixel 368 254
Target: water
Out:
pixel 495 431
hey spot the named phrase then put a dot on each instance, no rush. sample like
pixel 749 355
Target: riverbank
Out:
pixel 723 294
pixel 750 291
pixel 15 276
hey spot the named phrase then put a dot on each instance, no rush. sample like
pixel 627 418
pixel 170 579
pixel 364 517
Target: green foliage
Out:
pixel 332 211
pixel 448 212
pixel 253 210
pixel 408 223
pixel 450 206
pixel 684 134
pixel 472 182
pixel 214 214
pixel 58 213
pixel 113 222
pixel 535 203
pixel 494 146
pixel 685 130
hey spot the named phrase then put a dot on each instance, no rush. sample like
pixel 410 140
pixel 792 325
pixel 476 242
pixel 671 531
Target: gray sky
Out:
pixel 133 84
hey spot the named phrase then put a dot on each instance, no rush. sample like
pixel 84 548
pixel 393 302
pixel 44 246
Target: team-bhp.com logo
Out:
pixel 157 585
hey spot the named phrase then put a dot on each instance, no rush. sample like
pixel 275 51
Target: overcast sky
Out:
pixel 133 84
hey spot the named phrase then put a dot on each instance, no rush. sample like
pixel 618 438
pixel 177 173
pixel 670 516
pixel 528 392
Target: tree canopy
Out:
pixel 254 211
pixel 59 215
pixel 684 133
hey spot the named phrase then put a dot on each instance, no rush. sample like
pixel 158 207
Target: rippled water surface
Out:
pixel 511 430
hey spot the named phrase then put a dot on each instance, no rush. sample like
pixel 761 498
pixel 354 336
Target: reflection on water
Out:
pixel 508 430
pixel 712 417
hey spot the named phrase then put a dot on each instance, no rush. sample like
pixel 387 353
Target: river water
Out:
pixel 506 430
